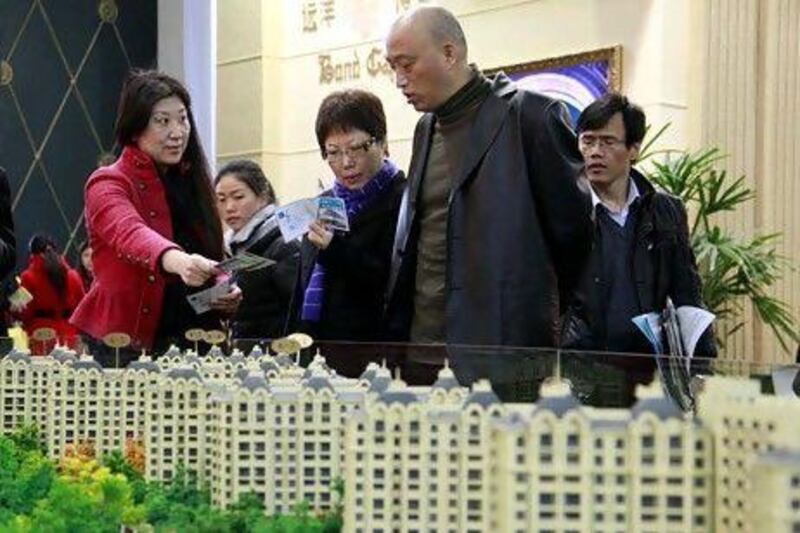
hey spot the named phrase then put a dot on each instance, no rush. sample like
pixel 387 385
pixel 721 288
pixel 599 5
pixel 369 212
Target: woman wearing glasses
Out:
pixel 344 274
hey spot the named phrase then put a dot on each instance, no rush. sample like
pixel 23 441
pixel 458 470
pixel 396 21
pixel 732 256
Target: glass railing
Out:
pixel 599 379
pixel 516 374
pixel 713 437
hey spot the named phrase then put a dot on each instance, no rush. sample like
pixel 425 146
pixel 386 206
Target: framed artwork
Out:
pixel 575 79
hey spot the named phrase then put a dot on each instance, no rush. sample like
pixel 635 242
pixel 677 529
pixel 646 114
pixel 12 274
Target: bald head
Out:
pixel 427 50
pixel 438 24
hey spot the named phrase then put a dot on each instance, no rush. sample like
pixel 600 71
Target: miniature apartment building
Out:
pixel 476 464
pixel 441 458
pixel 774 492
pixel 745 425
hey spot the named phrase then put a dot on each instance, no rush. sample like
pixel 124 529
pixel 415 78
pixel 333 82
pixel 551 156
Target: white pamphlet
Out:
pixel 295 218
pixel 693 321
pixel 783 379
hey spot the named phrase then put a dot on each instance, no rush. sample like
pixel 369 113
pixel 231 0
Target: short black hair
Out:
pixel 598 113
pixel 347 110
pixel 250 174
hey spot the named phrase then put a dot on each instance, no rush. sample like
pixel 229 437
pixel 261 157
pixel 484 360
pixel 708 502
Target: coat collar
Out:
pixel 138 163
pixel 141 165
pixel 646 192
pixel 646 189
pixel 618 216
pixel 490 116
pixel 244 234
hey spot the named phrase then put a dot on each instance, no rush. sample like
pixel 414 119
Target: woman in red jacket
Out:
pixel 56 290
pixel 152 221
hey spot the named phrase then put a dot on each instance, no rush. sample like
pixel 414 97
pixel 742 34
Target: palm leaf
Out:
pixel 733 270
pixel 646 151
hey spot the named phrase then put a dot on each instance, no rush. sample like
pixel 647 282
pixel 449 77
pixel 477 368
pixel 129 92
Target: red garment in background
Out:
pixel 48 309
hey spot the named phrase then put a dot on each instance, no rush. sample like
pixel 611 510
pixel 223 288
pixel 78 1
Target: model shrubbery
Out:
pixel 84 494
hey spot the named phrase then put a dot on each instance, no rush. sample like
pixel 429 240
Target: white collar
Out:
pixel 633 194
pixel 238 237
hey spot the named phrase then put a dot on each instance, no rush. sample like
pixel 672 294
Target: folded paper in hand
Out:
pixel 244 262
pixel 690 323
pixel 201 300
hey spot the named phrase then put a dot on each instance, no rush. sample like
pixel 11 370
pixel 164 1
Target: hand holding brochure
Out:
pixel 681 328
pixel 295 218
pixel 201 301
pixel 688 324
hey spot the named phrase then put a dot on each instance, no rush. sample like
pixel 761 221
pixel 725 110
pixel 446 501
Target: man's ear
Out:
pixel 633 152
pixel 450 53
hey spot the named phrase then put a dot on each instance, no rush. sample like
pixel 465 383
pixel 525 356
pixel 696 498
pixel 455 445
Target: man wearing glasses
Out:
pixel 641 253
pixel 494 227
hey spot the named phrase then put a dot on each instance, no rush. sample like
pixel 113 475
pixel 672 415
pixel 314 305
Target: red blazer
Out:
pixel 48 309
pixel 129 226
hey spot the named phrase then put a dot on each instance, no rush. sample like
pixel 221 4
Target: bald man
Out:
pixel 495 227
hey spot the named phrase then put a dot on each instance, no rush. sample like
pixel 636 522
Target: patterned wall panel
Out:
pixel 62 63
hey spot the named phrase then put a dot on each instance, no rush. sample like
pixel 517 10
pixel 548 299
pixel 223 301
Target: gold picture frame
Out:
pixel 612 55
pixel 577 80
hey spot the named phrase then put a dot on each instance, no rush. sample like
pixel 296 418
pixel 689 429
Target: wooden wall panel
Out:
pixel 748 106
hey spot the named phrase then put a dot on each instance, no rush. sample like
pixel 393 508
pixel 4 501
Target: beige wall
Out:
pixel 269 81
pixel 701 65
pixel 747 101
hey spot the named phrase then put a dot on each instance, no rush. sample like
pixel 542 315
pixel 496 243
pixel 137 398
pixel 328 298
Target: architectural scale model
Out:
pixel 439 458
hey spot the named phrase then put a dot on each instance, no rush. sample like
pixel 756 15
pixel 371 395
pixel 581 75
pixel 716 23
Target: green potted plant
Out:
pixel 734 269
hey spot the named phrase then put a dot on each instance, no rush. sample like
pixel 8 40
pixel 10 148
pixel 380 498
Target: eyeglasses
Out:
pixel 603 141
pixel 334 155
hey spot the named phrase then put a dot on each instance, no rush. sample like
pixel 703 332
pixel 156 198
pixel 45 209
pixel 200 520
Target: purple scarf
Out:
pixel 355 201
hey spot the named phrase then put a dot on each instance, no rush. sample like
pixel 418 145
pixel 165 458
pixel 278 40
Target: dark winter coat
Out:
pixel 662 265
pixel 519 224
pixel 267 292
pixel 357 270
